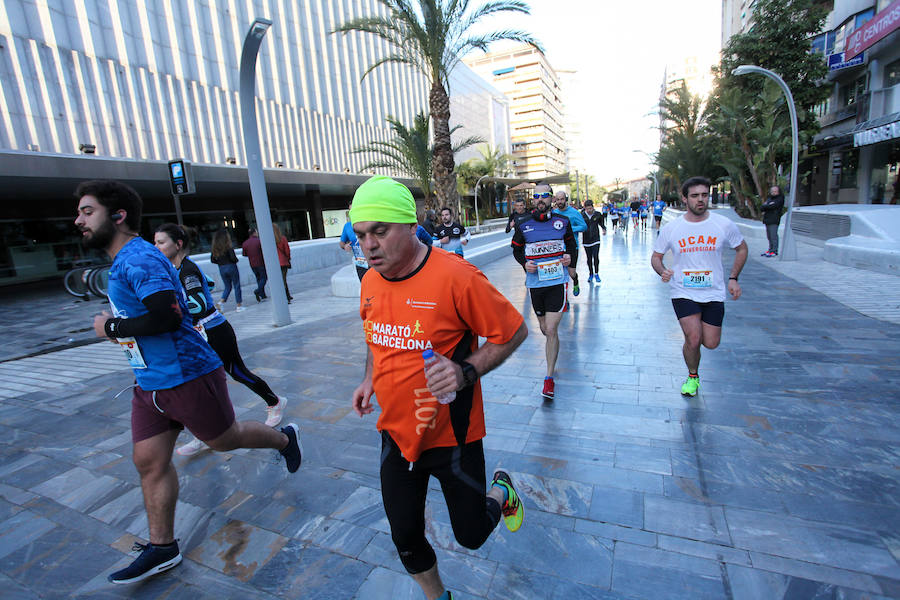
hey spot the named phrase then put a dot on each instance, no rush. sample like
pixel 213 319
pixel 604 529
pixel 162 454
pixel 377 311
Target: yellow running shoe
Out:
pixel 513 509
pixel 690 385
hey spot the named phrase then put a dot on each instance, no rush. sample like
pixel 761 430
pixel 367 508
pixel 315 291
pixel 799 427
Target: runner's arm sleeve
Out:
pixel 518 246
pixel 578 223
pixel 163 315
pixel 571 243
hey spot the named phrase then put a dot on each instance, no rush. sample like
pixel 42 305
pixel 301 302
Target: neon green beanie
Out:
pixel 383 199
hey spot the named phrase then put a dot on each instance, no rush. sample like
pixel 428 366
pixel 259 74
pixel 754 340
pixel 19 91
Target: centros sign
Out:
pixel 878 27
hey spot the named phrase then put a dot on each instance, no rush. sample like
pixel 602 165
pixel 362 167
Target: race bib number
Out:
pixel 359 259
pixel 132 352
pixel 552 269
pixel 697 279
pixel 199 328
pixel 544 248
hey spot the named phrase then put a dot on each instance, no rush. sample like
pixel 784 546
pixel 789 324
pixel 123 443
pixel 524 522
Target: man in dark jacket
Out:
pixel 252 249
pixel 772 217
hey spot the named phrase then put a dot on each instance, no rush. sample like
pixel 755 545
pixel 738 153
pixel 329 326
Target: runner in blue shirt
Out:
pixel 561 207
pixel 644 211
pixel 350 243
pixel 659 206
pixel 180 380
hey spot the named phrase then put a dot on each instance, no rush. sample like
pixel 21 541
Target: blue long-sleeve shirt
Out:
pixel 575 220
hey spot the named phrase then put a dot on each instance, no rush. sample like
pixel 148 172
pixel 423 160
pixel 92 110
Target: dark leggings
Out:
pixel 460 470
pixel 593 258
pixel 284 271
pixel 221 338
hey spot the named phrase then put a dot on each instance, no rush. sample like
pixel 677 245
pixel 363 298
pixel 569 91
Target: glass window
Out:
pixel 849 168
pixel 862 17
pixel 892 74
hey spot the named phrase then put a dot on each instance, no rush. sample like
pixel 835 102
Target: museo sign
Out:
pixel 875 29
pixel 874 135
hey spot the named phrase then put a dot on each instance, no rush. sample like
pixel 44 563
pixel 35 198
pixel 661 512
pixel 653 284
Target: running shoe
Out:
pixel 239 309
pixel 766 253
pixel 258 297
pixel 690 385
pixel 576 290
pixel 513 510
pixel 293 452
pixel 151 560
pixel 191 448
pixel 275 413
pixel 548 388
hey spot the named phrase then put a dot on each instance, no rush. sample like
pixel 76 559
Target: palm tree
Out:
pixel 432 36
pixel 410 153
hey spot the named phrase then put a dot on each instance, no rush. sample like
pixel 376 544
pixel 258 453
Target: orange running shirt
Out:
pixel 432 308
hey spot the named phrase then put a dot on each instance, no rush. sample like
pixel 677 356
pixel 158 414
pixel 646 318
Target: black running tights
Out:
pixel 593 258
pixel 221 338
pixel 460 470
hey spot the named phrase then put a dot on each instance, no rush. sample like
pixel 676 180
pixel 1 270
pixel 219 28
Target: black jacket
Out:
pixel 591 235
pixel 772 209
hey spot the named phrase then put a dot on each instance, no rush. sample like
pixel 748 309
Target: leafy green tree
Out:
pixel 493 162
pixel 431 36
pixel 410 153
pixel 685 150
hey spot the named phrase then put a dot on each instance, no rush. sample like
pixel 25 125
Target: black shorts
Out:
pixel 658 218
pixel 711 313
pixel 548 299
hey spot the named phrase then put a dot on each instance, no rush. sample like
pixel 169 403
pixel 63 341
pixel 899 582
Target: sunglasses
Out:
pixel 543 195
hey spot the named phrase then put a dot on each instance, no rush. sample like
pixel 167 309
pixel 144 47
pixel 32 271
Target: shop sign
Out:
pixel 875 29
pixel 836 61
pixel 875 135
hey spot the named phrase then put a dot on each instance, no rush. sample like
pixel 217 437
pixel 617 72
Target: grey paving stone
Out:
pixel 804 457
pixel 649 573
pixel 789 537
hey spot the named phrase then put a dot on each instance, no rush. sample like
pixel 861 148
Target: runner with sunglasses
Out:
pixel 544 245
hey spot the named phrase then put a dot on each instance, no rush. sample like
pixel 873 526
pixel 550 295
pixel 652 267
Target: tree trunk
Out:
pixel 444 165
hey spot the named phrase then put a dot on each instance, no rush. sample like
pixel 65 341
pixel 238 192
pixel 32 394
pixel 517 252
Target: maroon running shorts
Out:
pixel 202 405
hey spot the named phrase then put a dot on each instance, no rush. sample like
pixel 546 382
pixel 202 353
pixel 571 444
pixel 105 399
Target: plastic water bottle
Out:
pixel 429 358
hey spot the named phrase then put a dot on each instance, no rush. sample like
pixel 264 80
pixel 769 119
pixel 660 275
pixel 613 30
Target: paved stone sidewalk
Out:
pixel 779 481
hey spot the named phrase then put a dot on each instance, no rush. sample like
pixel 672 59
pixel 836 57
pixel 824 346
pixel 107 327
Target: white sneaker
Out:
pixel 220 306
pixel 276 413
pixel 240 309
pixel 192 447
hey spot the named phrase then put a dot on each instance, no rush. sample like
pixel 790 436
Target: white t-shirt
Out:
pixel 697 251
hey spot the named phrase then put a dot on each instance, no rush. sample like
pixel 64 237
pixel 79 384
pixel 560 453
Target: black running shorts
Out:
pixel 711 313
pixel 548 299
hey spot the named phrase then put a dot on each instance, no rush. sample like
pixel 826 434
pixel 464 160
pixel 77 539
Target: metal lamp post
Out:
pixel 788 245
pixel 252 42
pixel 477 183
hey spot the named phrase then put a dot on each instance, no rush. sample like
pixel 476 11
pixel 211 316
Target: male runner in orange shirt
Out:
pixel 416 298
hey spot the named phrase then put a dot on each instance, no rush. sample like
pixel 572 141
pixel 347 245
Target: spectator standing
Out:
pixel 252 249
pixel 772 208
pixel 223 255
pixel 284 257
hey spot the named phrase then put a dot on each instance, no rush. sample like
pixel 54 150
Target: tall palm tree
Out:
pixel 432 36
pixel 409 152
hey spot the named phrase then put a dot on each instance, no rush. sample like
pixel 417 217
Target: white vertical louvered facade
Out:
pixel 157 79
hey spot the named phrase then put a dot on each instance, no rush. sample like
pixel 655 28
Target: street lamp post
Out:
pixel 788 245
pixel 477 222
pixel 252 42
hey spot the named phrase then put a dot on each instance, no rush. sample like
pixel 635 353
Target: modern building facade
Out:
pixel 575 150
pixel 532 86
pixel 855 159
pixel 119 87
pixel 856 156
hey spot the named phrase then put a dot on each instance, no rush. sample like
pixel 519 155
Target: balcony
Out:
pixel 882 102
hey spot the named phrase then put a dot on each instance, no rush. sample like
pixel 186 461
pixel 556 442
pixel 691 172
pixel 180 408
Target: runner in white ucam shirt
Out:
pixel 697 278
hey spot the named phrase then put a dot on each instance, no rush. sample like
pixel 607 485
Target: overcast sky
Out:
pixel 620 48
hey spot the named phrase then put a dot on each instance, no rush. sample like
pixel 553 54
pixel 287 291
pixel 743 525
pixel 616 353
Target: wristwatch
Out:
pixel 470 375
